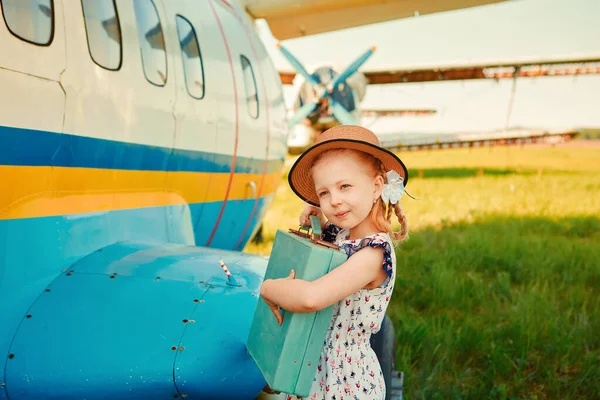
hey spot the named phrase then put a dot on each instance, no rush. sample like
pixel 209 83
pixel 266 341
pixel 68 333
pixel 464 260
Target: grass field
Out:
pixel 498 289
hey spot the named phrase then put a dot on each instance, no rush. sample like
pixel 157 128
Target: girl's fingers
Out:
pixel 303 219
pixel 277 314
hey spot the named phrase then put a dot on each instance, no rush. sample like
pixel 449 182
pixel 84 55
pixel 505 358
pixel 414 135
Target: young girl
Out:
pixel 356 185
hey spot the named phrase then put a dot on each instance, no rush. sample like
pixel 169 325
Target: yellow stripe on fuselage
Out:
pixel 28 192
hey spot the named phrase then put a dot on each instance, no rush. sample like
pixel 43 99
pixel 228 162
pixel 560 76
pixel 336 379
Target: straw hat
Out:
pixel 339 137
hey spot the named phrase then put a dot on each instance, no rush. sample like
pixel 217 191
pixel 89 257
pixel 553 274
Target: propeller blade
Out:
pixel 352 68
pixel 297 66
pixel 341 114
pixel 302 113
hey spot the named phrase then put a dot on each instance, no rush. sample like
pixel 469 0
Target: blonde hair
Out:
pixel 381 215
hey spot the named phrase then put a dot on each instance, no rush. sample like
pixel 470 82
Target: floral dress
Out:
pixel 348 368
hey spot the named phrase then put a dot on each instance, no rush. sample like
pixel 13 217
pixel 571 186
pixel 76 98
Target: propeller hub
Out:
pixel 320 91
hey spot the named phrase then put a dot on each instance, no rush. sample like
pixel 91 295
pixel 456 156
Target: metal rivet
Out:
pixel 201 301
pixel 196 301
pixel 192 321
pixel 11 356
pixel 47 290
pixel 183 395
pixel 112 277
pixel 28 316
pixel 295 361
pixel 185 321
pixel 201 281
pixel 176 395
pixel 181 348
pixel 309 364
pixel 157 279
pixel 174 348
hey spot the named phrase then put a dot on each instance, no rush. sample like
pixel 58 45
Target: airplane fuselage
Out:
pixel 130 133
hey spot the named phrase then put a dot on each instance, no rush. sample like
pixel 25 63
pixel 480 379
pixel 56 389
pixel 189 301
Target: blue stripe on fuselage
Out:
pixel 42 148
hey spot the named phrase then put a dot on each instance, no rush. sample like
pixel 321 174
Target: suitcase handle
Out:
pixel 316 236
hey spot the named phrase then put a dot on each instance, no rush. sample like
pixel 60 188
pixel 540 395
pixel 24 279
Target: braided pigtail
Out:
pixel 403 233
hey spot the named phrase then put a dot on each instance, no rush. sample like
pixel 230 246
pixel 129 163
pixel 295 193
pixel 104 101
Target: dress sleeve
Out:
pixel 375 241
pixel 330 232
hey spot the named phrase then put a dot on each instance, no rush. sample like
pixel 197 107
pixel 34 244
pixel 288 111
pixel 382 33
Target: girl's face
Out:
pixel 346 189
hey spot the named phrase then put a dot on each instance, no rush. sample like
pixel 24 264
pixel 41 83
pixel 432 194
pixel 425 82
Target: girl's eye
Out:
pixel 321 194
pixel 345 185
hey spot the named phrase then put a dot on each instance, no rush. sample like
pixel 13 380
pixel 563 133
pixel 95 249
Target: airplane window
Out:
pixel 152 42
pixel 103 32
pixel 30 20
pixel 251 90
pixel 192 58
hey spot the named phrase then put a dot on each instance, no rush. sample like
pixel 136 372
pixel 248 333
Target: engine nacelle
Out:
pixel 138 321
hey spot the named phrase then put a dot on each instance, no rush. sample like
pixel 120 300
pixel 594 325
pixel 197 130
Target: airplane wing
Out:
pixel 294 18
pixel 496 69
pixel 577 64
pixel 426 141
pixel 399 112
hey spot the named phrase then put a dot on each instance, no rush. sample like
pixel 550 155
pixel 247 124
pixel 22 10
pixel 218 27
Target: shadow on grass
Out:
pixel 500 308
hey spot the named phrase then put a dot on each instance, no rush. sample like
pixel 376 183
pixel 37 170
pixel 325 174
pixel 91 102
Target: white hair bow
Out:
pixel 394 189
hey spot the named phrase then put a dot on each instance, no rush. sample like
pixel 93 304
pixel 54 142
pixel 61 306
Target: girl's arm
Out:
pixel 296 295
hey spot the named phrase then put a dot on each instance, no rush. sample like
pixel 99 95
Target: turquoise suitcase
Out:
pixel 287 355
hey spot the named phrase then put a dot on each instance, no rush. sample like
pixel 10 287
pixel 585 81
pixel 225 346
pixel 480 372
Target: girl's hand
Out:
pixel 272 305
pixel 307 212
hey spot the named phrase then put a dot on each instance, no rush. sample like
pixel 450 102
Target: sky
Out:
pixel 507 31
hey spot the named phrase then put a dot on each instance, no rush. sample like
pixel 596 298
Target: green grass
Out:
pixel 497 295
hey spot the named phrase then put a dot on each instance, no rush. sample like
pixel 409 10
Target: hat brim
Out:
pixel 300 176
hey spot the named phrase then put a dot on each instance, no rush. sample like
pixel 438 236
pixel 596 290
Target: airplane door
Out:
pixel 195 112
pixel 120 85
pixel 241 132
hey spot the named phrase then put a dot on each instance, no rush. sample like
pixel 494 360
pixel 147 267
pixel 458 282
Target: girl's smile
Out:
pixel 342 214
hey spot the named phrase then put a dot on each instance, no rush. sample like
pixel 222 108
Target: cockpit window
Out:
pixel 30 20
pixel 103 32
pixel 152 42
pixel 251 89
pixel 192 58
